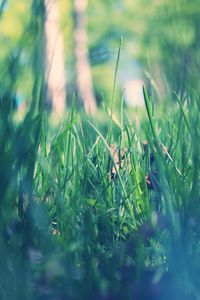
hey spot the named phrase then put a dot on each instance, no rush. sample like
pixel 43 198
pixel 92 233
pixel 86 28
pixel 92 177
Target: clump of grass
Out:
pixel 71 230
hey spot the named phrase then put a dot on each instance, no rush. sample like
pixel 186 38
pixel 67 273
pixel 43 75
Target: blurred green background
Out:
pixel 160 45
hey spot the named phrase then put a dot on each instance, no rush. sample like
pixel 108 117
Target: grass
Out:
pixel 79 221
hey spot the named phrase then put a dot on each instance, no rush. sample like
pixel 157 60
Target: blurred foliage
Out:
pixel 160 35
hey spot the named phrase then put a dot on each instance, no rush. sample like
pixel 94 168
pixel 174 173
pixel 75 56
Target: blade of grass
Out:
pixel 183 112
pixel 114 91
pixel 149 112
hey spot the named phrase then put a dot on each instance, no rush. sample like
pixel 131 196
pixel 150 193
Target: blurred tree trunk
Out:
pixel 82 64
pixel 54 59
